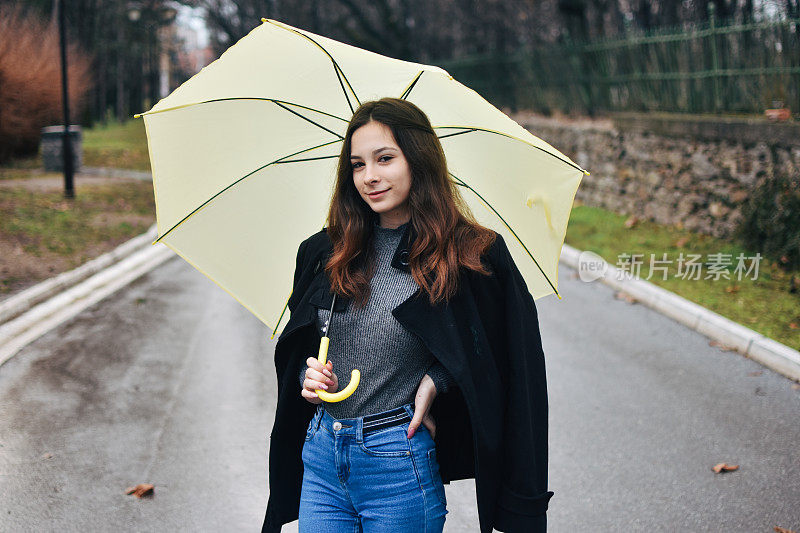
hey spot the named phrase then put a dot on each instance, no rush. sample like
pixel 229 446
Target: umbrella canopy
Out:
pixel 244 159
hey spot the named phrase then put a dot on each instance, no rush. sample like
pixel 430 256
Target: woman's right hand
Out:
pixel 318 377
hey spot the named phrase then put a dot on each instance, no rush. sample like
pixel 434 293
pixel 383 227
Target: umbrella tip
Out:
pixel 586 172
pixel 263 19
pixel 137 115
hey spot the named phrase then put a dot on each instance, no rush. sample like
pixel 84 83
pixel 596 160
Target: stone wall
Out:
pixel 687 170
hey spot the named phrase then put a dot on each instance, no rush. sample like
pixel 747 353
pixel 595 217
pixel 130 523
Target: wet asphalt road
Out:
pixel 170 381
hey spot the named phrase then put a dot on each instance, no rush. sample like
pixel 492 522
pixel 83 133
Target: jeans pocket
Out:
pixel 389 442
pixel 313 426
pixel 433 464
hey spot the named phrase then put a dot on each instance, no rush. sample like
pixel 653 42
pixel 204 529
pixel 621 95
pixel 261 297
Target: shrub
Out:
pixel 771 220
pixel 30 80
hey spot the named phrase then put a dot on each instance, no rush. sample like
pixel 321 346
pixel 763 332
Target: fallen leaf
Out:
pixel 780 529
pixel 721 346
pixel 142 489
pixel 47 455
pixel 631 222
pixel 796 386
pixel 680 243
pixel 619 295
pixel 732 289
pixel 755 373
pixel 793 325
pixel 724 467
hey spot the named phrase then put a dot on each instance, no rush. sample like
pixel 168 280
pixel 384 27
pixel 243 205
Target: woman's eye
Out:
pixel 383 159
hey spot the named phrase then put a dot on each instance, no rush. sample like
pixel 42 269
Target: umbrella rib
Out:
pixel 309 120
pixel 306 159
pixel 283 311
pixel 337 70
pixel 475 128
pixel 336 67
pixel 236 182
pixel 454 134
pixel 460 182
pixel 411 85
pixel 233 98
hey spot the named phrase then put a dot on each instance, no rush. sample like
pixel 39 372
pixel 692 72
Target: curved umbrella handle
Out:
pixel 355 377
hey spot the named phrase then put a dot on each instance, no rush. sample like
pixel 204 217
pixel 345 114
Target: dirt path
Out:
pixel 54 182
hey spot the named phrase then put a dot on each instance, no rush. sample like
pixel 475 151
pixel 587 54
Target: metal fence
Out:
pixel 704 68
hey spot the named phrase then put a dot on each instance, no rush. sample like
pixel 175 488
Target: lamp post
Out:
pixel 153 15
pixel 69 190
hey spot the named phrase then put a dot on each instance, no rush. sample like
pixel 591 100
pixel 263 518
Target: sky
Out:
pixel 192 18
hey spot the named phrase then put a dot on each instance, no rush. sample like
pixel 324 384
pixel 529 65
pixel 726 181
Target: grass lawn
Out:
pixel 42 234
pixel 114 145
pixel 117 145
pixel 763 304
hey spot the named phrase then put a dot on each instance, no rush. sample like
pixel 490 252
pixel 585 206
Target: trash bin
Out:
pixel 52 144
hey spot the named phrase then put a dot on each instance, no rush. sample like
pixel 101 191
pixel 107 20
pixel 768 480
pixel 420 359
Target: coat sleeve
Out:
pixel 297 285
pixel 299 265
pixel 442 379
pixel 523 499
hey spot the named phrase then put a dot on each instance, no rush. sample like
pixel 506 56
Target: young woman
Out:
pixel 431 309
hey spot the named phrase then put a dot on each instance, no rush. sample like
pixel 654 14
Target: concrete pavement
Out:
pixel 170 381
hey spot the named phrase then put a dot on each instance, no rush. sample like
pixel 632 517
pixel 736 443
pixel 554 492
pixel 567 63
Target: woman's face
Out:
pixel 381 173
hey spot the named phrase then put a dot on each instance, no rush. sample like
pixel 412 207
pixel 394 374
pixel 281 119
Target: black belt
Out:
pixel 395 417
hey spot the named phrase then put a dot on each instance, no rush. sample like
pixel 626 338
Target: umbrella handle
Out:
pixel 355 377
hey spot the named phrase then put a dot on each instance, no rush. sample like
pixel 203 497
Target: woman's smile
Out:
pixel 376 195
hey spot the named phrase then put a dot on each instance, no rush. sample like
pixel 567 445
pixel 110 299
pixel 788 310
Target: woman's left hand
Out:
pixel 426 392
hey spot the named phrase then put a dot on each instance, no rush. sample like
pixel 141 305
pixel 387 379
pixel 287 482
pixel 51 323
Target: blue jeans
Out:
pixel 381 481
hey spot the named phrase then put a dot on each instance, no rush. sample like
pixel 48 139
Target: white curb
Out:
pixel 90 282
pixel 20 303
pixel 752 344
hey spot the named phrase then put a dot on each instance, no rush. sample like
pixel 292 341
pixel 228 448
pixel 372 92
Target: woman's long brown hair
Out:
pixel 447 235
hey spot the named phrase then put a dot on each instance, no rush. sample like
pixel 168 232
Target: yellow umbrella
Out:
pixel 244 157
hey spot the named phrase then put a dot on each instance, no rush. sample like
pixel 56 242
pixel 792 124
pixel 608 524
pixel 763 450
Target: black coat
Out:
pixel 491 425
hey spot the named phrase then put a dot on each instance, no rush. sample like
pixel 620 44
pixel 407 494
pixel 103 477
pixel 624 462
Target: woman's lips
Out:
pixel 378 194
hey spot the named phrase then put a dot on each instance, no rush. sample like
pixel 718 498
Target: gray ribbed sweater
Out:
pixel 391 359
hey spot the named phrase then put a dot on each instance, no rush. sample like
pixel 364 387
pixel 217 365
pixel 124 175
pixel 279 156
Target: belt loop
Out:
pixel 318 417
pixel 360 430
